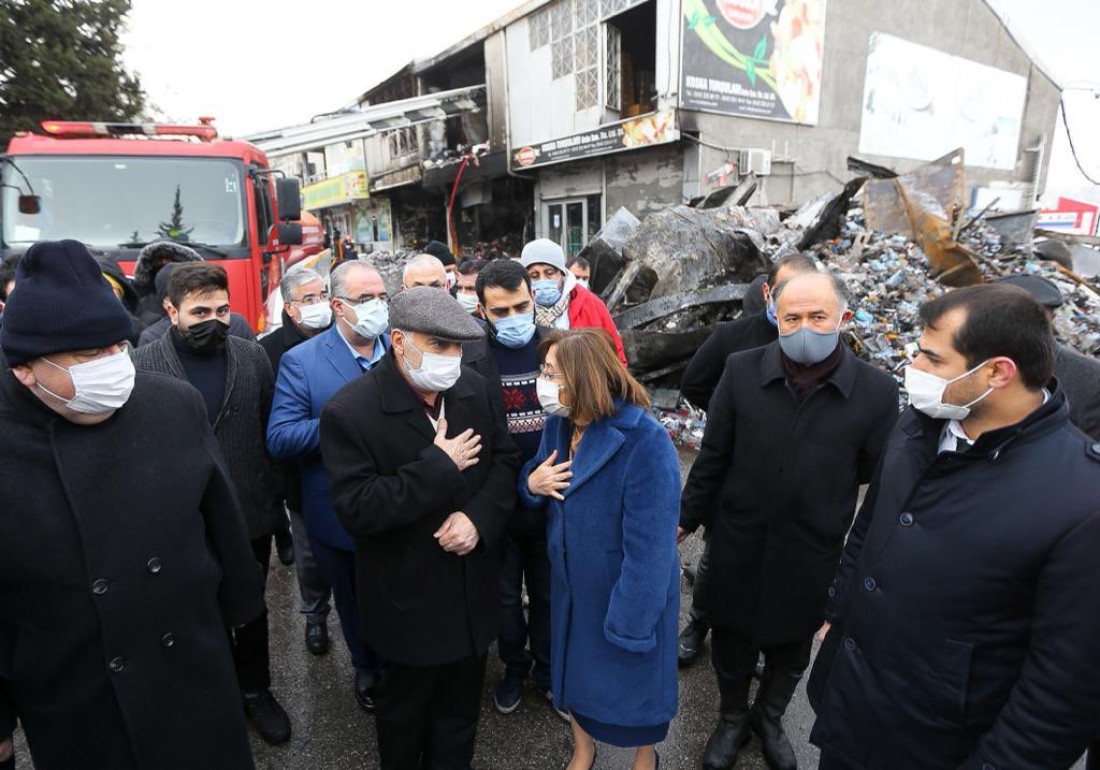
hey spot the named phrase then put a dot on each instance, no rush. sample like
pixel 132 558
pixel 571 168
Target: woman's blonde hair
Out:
pixel 592 373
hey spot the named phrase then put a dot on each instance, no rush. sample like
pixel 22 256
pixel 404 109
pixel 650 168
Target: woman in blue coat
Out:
pixel 610 478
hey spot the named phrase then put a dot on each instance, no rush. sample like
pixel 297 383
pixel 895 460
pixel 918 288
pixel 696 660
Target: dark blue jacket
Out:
pixel 615 570
pixel 966 611
pixel 309 375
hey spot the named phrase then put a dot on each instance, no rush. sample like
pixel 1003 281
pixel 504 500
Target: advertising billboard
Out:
pixel 919 102
pixel 754 58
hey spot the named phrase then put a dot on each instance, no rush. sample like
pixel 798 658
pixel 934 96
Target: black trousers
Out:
pixel 698 614
pixel 249 642
pixel 735 658
pixel 829 762
pixel 426 716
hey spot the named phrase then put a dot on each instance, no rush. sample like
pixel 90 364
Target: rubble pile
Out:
pixel 895 242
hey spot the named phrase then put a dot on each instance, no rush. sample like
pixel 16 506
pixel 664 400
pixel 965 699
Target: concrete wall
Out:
pixel 817 155
pixel 644 181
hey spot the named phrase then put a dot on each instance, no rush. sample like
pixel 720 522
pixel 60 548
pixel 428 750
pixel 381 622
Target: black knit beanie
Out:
pixel 61 302
pixel 439 250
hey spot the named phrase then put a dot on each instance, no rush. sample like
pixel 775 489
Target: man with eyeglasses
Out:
pixel 309 375
pixel 306 313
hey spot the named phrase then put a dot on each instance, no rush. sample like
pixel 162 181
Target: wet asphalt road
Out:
pixel 331 733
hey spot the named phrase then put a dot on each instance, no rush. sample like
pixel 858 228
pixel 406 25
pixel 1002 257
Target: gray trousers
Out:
pixel 316 593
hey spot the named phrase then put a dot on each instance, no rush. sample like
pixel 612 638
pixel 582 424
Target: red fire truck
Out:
pixel 120 186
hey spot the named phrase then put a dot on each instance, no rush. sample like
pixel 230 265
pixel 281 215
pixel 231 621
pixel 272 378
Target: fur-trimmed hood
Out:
pixel 146 269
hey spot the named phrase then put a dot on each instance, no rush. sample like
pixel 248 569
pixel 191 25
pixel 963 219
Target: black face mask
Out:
pixel 208 336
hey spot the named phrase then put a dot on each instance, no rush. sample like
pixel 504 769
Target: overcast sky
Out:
pixel 255 70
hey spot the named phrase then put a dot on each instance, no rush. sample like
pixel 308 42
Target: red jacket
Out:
pixel 586 309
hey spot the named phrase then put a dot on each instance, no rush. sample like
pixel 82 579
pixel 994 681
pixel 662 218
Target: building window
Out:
pixel 613 71
pixel 561 38
pixel 586 53
pixel 404 141
pixel 538 29
pixel 612 7
pixel 630 61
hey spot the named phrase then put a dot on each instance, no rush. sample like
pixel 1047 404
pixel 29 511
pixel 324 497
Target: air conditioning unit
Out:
pixel 757 162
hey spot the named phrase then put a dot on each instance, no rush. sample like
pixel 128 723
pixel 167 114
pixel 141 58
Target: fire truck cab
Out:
pixel 120 186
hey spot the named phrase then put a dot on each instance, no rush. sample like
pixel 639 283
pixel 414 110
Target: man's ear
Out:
pixel 1005 372
pixel 848 316
pixel 173 312
pixel 24 374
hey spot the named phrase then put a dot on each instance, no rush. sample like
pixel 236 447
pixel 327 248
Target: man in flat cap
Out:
pixel 115 587
pixel 423 478
pixel 1078 376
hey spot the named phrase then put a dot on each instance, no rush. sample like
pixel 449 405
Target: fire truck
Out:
pixel 119 186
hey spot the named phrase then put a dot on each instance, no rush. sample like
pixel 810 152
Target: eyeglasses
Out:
pixel 311 299
pixel 364 298
pixel 549 374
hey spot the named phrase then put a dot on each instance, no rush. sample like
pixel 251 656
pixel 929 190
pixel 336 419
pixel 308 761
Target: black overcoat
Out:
pixel 123 557
pixel 241 425
pixel 966 610
pixel 393 488
pixel 706 366
pixel 776 483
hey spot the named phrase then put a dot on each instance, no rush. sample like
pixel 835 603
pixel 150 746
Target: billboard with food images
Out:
pixel 754 58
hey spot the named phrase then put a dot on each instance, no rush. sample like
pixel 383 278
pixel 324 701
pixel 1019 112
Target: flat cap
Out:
pixel 1042 291
pixel 429 310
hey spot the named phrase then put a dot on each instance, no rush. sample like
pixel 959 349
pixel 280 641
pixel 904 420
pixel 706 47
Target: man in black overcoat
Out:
pixel 966 610
pixel 423 478
pixel 793 429
pixel 234 378
pixel 751 330
pixel 123 553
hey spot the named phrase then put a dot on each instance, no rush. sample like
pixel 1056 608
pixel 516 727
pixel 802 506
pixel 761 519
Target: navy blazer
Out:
pixel 615 570
pixel 309 375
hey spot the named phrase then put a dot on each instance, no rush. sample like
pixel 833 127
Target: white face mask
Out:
pixel 468 301
pixel 548 397
pixel 437 373
pixel 582 282
pixel 101 386
pixel 926 394
pixel 317 316
pixel 373 316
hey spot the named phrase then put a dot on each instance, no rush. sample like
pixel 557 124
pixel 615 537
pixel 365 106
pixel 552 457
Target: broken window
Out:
pixel 630 61
pixel 538 29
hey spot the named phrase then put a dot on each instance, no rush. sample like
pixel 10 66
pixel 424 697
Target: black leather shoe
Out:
pixel 317 638
pixel 725 743
pixel 364 690
pixel 691 642
pixel 267 716
pixel 284 547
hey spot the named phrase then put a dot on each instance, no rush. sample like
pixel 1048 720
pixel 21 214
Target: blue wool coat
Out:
pixel 615 570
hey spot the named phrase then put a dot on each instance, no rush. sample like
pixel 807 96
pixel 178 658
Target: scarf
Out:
pixel 806 379
pixel 546 317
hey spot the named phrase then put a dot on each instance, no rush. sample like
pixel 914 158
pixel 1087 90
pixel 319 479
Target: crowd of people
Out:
pixel 470 461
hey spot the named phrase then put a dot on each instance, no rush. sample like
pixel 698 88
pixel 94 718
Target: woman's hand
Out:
pixel 548 479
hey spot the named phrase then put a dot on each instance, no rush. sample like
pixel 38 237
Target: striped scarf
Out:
pixel 546 317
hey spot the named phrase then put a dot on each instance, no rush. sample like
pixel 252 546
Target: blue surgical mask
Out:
pixel 807 346
pixel 547 291
pixel 773 318
pixel 515 331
